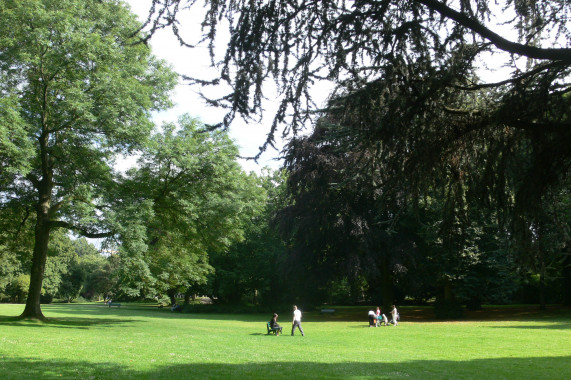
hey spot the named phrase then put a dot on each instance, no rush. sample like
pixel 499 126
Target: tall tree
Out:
pixel 201 202
pixel 252 270
pixel 84 90
pixel 342 225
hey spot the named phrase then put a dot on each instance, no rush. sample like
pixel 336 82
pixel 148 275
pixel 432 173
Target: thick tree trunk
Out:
pixel 172 293
pixel 41 233
pixel 448 294
pixel 42 236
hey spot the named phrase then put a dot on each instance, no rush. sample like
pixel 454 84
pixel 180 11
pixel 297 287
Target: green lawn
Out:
pixel 95 342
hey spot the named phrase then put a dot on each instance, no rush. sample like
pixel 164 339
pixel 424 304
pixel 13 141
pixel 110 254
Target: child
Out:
pixel 385 320
pixel 378 316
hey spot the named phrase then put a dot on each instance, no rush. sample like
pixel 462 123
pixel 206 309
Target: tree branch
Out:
pixel 500 42
pixel 511 80
pixel 80 230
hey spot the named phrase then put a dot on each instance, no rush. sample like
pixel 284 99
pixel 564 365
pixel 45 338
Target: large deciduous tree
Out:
pixel 79 90
pixel 201 202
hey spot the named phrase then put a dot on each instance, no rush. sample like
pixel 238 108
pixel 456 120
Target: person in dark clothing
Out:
pixel 274 324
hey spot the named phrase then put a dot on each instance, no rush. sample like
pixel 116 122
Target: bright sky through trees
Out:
pixel 187 99
pixel 196 62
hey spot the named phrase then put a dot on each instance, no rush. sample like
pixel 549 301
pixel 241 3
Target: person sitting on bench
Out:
pixel 274 324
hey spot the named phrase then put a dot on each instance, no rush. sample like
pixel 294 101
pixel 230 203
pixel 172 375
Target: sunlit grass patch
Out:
pixel 92 341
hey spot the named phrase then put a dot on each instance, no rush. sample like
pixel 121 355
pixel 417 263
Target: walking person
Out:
pixel 395 315
pixel 296 321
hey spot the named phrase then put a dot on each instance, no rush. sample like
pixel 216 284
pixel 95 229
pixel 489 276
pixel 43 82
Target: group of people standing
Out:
pixel 377 318
pixel 295 323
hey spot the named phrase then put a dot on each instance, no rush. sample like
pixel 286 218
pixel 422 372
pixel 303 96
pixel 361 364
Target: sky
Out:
pixel 196 62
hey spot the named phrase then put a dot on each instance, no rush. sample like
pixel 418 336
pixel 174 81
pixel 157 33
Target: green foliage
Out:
pixel 80 89
pixel 72 283
pixel 18 288
pixel 62 256
pixel 16 238
pixel 15 148
pixel 199 201
pixel 251 271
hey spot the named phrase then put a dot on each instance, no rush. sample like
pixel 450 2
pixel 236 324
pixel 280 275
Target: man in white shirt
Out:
pixel 296 321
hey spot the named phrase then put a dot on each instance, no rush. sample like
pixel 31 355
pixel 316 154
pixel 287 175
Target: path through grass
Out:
pixel 138 342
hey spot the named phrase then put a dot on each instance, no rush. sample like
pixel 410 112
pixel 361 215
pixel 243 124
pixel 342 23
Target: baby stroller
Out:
pixel 382 320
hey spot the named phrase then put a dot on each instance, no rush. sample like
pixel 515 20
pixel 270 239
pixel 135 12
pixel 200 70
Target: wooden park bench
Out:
pixel 327 311
pixel 274 330
pixel 114 304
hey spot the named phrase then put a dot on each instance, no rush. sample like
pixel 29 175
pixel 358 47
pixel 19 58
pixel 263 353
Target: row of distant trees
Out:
pixel 334 249
pixel 75 269
pixel 326 244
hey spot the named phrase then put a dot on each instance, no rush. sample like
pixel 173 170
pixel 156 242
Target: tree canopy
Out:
pixel 200 203
pixel 412 81
pixel 436 47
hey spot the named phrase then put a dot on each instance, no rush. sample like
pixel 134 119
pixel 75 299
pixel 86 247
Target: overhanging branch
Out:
pixel 80 230
pixel 496 39
pixel 511 80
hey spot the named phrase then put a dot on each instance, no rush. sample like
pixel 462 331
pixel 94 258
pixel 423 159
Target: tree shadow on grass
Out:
pixel 546 367
pixel 70 322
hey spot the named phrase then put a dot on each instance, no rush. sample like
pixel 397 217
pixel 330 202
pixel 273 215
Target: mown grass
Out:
pixel 140 342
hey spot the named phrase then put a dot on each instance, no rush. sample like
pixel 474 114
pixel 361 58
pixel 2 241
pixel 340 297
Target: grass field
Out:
pixel 141 342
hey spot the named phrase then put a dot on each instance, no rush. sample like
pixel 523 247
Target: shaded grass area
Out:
pixel 141 342
pixel 504 368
